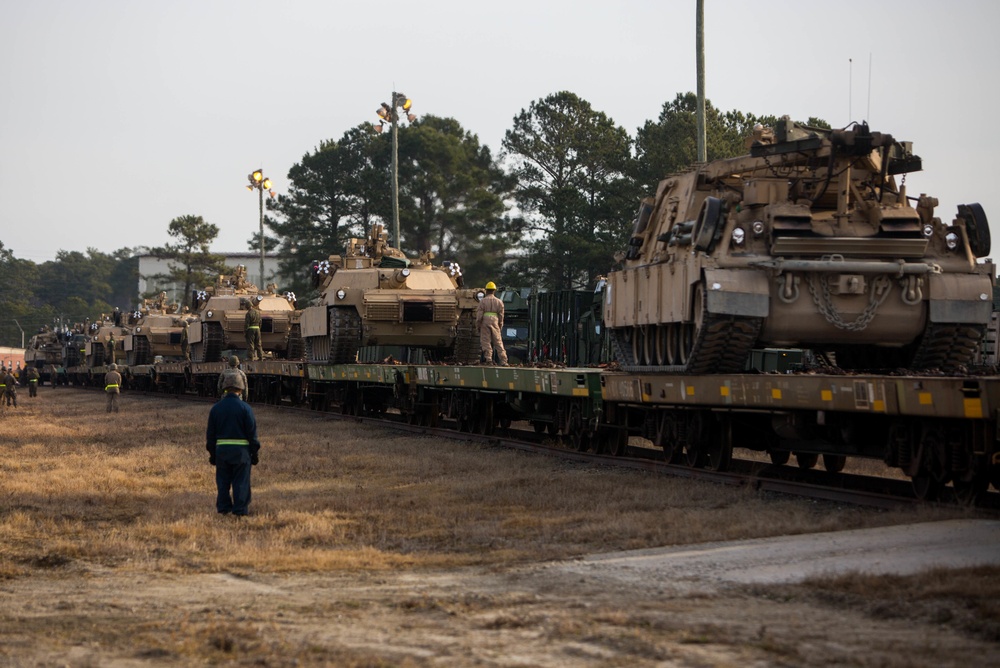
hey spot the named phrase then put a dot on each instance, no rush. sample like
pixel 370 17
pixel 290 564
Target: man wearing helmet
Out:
pixel 112 386
pixel 255 350
pixel 234 378
pixel 231 441
pixel 489 322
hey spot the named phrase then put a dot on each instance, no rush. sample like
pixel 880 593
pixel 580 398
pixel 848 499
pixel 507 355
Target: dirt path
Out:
pixel 687 606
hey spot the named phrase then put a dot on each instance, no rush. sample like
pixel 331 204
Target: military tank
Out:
pixel 45 352
pixel 807 242
pixel 374 295
pixel 220 311
pixel 101 334
pixel 156 329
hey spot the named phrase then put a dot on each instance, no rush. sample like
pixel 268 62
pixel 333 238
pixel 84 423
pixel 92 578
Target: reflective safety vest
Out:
pixel 112 385
pixel 233 441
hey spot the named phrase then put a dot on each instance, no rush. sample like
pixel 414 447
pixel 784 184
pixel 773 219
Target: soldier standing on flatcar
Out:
pixel 112 385
pixel 111 349
pixel 489 322
pixel 252 323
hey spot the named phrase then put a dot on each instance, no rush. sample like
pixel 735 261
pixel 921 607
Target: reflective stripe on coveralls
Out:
pixel 232 441
pixel 108 387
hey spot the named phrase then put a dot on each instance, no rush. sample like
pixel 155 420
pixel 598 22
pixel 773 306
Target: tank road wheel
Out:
pixel 639 345
pixel 834 463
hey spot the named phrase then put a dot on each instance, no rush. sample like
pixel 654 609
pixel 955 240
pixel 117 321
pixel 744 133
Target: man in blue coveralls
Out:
pixel 231 440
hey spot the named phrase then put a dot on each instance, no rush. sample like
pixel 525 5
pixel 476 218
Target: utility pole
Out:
pixel 700 46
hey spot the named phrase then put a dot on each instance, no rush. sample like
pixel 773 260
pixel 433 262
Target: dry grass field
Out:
pixel 367 547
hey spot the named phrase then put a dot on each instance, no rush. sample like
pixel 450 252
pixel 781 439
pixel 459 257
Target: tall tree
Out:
pixel 571 164
pixel 335 192
pixel 191 263
pixel 670 144
pixel 452 195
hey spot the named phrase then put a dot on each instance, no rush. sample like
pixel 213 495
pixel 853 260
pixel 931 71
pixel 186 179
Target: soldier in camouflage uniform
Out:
pixel 255 350
pixel 234 378
pixel 489 322
pixel 112 386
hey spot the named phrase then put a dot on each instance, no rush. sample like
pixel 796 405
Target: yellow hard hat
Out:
pixel 491 286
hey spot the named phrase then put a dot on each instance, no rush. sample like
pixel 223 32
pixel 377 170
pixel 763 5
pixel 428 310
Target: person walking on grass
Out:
pixel 112 386
pixel 231 441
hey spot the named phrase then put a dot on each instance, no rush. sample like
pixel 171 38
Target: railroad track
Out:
pixel 867 491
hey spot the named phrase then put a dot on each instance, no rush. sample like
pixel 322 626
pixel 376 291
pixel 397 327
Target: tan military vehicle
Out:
pixel 45 352
pixel 156 329
pixel 808 242
pixel 221 315
pixel 97 350
pixel 373 295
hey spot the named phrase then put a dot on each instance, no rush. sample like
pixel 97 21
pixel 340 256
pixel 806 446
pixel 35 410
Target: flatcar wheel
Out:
pixel 834 463
pixel 575 429
pixel 967 492
pixel 719 446
pixel 666 438
pixel 926 486
pixel 487 421
pixel 779 457
pixel 694 443
pixel 806 460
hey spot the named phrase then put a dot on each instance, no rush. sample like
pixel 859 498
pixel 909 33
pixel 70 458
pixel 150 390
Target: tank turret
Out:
pixel 221 316
pixel 374 295
pixel 156 329
pixel 810 241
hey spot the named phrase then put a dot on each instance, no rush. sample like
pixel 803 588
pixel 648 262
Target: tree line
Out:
pixel 549 210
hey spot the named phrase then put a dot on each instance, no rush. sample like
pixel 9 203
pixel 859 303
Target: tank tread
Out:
pixel 948 346
pixel 345 335
pixel 466 349
pixel 296 344
pixel 212 340
pixel 140 350
pixel 724 343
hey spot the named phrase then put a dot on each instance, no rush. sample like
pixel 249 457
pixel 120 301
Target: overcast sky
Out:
pixel 117 116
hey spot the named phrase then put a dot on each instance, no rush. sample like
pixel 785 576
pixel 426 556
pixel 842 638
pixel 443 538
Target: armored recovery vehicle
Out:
pixel 221 316
pixel 807 242
pixel 374 295
pixel 156 329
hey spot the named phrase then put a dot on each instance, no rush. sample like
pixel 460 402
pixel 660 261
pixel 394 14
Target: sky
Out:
pixel 117 116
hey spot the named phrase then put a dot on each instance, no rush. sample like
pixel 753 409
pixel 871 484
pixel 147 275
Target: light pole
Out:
pixel 388 113
pixel 22 331
pixel 260 183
